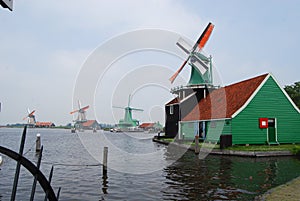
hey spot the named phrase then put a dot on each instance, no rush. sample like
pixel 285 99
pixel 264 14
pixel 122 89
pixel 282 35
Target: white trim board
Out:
pixel 258 89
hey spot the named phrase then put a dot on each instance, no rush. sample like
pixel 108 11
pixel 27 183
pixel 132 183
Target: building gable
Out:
pixel 274 85
pixel 224 102
pixel 268 101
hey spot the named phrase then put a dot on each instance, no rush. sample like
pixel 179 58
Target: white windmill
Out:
pixel 81 113
pixel 30 117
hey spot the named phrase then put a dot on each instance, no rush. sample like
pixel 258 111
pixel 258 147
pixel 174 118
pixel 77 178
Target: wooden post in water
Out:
pixel 197 149
pixel 38 143
pixel 105 152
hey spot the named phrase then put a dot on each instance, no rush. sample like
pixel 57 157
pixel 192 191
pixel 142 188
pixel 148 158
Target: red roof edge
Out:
pixel 224 102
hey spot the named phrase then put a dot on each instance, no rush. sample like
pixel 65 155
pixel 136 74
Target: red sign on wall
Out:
pixel 263 122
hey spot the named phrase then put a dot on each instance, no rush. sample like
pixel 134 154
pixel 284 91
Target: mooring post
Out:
pixel 197 150
pixel 38 143
pixel 105 152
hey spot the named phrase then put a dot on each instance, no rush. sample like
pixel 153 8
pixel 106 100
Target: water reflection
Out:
pixel 104 184
pixel 226 178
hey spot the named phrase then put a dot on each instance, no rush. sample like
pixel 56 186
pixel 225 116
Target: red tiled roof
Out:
pixel 146 125
pixel 43 123
pixel 174 101
pixel 88 123
pixel 225 101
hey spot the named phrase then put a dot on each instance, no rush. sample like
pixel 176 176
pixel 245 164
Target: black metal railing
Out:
pixel 33 169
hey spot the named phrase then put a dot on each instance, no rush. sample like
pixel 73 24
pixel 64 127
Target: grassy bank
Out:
pixel 288 191
pixel 284 147
pixel 293 148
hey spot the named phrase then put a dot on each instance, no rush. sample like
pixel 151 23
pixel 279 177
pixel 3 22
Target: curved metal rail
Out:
pixel 34 170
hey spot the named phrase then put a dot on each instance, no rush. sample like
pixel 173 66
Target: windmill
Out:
pixel 128 121
pixel 81 113
pixel 30 117
pixel 201 72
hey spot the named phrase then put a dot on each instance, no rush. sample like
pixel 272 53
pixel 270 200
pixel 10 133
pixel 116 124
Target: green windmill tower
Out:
pixel 128 121
pixel 199 86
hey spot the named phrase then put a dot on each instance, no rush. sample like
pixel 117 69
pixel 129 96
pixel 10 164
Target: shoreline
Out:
pixel 286 191
pixel 226 152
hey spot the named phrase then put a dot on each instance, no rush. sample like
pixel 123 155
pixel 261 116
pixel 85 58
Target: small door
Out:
pixel 272 130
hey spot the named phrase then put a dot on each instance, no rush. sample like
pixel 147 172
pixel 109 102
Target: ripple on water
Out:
pixel 188 178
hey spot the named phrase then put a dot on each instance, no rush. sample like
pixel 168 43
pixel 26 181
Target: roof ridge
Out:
pixel 249 79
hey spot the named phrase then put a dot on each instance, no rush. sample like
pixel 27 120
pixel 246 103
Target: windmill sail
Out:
pixel 202 40
pixel 184 45
pixel 205 36
pixel 81 112
pixel 128 121
pixel 30 117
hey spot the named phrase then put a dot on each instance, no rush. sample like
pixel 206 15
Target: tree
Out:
pixel 294 92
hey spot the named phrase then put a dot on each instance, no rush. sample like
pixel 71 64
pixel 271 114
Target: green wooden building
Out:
pixel 253 111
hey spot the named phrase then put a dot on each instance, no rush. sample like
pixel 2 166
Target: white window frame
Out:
pixel 171 109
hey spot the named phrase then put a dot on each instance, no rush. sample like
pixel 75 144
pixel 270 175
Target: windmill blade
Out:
pixel 202 57
pixel 200 44
pixel 74 111
pixel 204 37
pixel 31 113
pixel 136 109
pixel 79 105
pixel 129 99
pixel 179 70
pixel 119 107
pixel 185 46
pixel 202 67
pixel 85 108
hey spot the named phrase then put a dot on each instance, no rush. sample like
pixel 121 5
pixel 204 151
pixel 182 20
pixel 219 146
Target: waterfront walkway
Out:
pixel 228 152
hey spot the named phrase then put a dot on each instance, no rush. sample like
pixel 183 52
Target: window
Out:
pixel 171 109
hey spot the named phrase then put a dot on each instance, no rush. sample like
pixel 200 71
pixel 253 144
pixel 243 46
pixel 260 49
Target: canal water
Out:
pixel 139 169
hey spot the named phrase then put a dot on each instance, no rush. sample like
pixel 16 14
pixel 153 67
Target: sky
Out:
pixel 46 45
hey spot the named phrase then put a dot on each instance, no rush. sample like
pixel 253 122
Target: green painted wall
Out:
pixel 269 102
pixel 187 128
pixel 213 129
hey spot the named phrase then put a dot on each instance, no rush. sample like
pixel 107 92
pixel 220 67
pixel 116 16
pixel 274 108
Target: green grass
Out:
pixel 167 139
pixel 284 147
pixel 207 145
pixel 294 148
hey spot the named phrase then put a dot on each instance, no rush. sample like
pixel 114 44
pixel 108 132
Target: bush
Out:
pixel 296 150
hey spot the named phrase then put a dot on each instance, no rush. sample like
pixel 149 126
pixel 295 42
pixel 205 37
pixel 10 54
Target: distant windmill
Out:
pixel 30 117
pixel 201 65
pixel 128 121
pixel 81 113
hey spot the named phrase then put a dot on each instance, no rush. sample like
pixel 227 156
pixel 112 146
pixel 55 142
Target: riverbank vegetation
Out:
pixel 293 148
pixel 296 150
pixel 283 147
